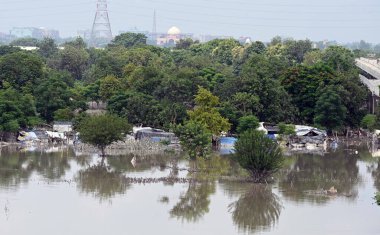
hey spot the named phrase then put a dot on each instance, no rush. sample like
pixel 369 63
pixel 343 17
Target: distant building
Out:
pixel 63 127
pixel 5 38
pixel 136 30
pixel 245 40
pixel 85 34
pixel 172 37
pixel 31 32
pixel 207 38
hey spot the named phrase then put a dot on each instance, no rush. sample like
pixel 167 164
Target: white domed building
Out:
pixel 173 36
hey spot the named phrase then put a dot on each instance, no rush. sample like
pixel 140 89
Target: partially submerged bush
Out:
pixel 377 198
pixel 258 154
pixel 194 138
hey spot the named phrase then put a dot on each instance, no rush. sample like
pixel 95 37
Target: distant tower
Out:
pixel 101 28
pixel 153 35
pixel 154 31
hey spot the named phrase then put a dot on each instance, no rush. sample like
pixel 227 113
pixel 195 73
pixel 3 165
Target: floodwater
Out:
pixel 58 193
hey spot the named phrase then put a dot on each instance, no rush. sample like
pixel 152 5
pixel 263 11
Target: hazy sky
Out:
pixel 341 20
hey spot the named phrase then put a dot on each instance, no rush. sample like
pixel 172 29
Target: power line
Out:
pixel 49 6
pixel 244 24
pixel 199 8
pixel 192 13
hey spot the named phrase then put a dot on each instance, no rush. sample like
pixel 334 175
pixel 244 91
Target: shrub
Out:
pixel 247 122
pixel 377 198
pixel 258 154
pixel 286 129
pixel 369 122
pixel 194 138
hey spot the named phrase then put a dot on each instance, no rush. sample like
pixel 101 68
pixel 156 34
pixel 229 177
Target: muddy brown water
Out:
pixel 58 193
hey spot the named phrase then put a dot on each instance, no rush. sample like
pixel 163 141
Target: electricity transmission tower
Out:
pixel 101 28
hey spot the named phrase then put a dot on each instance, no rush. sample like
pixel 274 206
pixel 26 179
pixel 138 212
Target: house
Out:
pixel 63 127
pixel 155 135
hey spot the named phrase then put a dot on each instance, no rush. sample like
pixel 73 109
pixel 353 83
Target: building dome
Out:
pixel 174 31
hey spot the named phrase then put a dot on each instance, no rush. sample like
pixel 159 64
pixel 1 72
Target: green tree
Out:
pixel 74 60
pixel 103 130
pixel 47 48
pixel 247 123
pixel 286 129
pixel 21 70
pixel 28 41
pixel 312 57
pixel 16 111
pixel 195 138
pixel 138 108
pixel 185 43
pixel 53 94
pixel 304 84
pixel 246 103
pixel 258 154
pixel 330 111
pixel 339 58
pixel 129 40
pixel 109 86
pixel 78 43
pixel 65 114
pixel 369 122
pixel 8 50
pixel 206 112
pixel 295 50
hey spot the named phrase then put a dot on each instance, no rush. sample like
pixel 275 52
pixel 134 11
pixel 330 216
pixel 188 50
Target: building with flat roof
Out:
pixel 32 32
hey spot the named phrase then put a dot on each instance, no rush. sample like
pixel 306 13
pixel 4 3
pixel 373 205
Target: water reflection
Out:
pixel 141 163
pixel 309 175
pixel 50 165
pixel 194 204
pixel 375 168
pixel 17 167
pixel 256 210
pixel 14 169
pixel 101 181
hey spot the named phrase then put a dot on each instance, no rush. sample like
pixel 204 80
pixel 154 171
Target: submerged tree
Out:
pixel 195 138
pixel 103 130
pixel 258 154
pixel 206 113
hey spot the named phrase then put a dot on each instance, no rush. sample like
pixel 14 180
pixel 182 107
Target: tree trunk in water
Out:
pixel 103 151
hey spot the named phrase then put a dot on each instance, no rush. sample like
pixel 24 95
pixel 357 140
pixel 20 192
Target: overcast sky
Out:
pixel 341 20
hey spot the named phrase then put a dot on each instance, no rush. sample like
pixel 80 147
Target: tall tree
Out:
pixel 205 112
pixel 47 48
pixel 53 94
pixel 129 40
pixel 330 111
pixel 74 60
pixel 20 70
pixel 16 110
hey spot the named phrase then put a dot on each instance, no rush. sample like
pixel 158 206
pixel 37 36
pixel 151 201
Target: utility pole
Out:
pixel 101 28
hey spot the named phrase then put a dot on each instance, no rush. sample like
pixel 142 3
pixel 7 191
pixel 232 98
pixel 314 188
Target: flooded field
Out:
pixel 59 193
